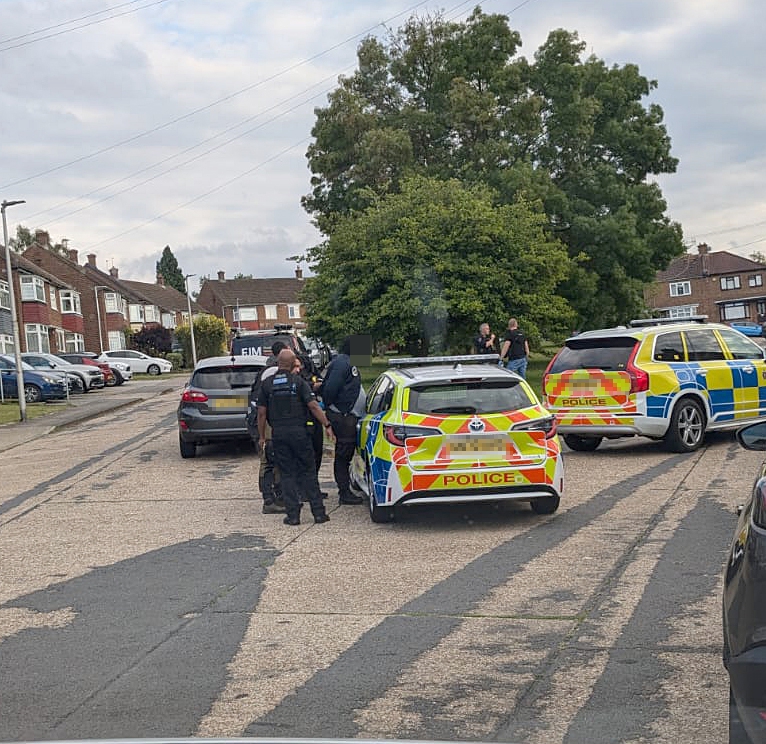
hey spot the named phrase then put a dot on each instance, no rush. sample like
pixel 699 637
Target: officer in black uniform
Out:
pixel 285 401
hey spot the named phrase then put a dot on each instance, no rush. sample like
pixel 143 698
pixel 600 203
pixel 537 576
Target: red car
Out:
pixel 110 378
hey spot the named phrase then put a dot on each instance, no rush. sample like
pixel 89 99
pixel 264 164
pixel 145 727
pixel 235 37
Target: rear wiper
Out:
pixel 454 409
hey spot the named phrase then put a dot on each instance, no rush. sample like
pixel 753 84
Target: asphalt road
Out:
pixel 145 595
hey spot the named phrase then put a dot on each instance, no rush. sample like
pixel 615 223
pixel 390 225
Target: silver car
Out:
pixel 91 377
pixel 214 402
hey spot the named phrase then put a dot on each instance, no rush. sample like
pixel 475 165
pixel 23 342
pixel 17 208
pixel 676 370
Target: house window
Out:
pixel 760 307
pixel 245 313
pixel 270 312
pixel 730 282
pixel 168 320
pixel 32 288
pixel 37 337
pixel 733 311
pixel 54 302
pixel 60 340
pixel 124 308
pixel 755 281
pixel 5 296
pixel 70 302
pixel 136 313
pixel 6 344
pixel 116 340
pixel 680 289
pixel 112 302
pixel 682 311
pixel 74 342
pixel 293 311
pixel 151 314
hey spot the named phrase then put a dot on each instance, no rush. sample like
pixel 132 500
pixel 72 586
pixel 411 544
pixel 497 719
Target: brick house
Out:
pixel 252 304
pixel 722 285
pixel 160 304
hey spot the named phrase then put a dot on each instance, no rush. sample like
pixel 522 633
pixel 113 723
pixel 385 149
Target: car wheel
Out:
pixel 32 393
pixel 188 449
pixel 545 505
pixel 79 386
pixel 118 378
pixel 687 426
pixel 153 369
pixel 112 382
pixel 378 514
pixel 582 444
pixel 737 732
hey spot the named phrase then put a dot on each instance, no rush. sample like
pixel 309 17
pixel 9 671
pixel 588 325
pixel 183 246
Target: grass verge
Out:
pixel 9 411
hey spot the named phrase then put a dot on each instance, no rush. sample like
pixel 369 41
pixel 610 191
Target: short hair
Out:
pixel 277 346
pixel 513 323
pixel 481 325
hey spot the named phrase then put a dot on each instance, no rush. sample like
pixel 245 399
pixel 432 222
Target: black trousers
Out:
pixel 317 441
pixel 344 427
pixel 294 457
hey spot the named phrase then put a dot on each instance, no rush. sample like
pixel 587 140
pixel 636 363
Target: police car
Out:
pixel 665 380
pixel 455 429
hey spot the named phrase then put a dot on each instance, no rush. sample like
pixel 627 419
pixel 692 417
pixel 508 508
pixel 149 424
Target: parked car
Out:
pixel 137 360
pixel 454 430
pixel 92 377
pixel 744 610
pixel 671 381
pixel 748 327
pixel 117 371
pixel 214 402
pixel 38 386
pixel 319 351
pixel 258 343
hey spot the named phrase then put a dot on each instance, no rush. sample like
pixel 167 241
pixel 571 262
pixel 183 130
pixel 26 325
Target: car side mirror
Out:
pixel 753 437
pixel 739 509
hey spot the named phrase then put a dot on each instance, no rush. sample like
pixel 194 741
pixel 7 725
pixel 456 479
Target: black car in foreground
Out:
pixel 214 402
pixel 744 608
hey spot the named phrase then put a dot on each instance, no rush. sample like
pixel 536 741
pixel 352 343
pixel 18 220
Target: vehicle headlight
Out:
pixel 51 380
pixel 119 365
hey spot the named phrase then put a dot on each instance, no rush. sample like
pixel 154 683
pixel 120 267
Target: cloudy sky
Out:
pixel 130 125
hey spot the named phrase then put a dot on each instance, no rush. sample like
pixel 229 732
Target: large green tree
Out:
pixel 421 267
pixel 454 100
pixel 168 269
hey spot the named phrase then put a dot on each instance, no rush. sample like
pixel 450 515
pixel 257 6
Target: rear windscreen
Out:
pixel 608 354
pixel 257 345
pixel 225 378
pixel 482 396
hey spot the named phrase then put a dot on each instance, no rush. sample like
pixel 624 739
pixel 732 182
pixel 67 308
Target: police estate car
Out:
pixel 671 381
pixel 455 429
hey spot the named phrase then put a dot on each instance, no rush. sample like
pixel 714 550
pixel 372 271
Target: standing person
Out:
pixel 284 402
pixel 484 343
pixel 344 401
pixel 516 347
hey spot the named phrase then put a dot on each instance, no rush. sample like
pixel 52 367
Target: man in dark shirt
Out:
pixel 285 402
pixel 484 343
pixel 516 348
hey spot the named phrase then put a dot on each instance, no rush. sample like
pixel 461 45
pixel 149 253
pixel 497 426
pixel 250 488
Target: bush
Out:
pixel 176 359
pixel 211 337
pixel 152 340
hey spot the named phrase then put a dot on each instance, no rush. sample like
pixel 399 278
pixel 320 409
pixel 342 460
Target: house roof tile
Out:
pixel 164 297
pixel 695 266
pixel 256 291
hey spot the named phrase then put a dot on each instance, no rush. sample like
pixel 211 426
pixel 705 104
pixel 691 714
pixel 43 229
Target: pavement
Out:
pixel 84 407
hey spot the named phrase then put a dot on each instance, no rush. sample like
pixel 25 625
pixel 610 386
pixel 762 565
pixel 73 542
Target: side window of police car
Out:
pixel 703 346
pixel 741 347
pixel 669 348
pixel 380 397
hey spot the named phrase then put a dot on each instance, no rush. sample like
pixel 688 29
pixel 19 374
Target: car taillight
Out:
pixel 397 434
pixel 548 425
pixel 545 374
pixel 193 396
pixel 639 378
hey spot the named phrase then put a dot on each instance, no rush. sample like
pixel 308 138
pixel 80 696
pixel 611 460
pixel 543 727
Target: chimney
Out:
pixel 160 280
pixel 221 276
pixel 114 272
pixel 298 272
pixel 92 260
pixel 703 249
pixel 72 253
pixel 42 238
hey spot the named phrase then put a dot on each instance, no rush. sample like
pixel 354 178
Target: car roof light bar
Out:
pixel 455 360
pixel 642 322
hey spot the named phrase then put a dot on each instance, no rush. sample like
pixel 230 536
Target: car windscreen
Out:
pixel 607 354
pixel 257 345
pixel 225 377
pixel 470 396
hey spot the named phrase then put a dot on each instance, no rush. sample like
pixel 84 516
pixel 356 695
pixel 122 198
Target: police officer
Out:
pixel 285 401
pixel 342 392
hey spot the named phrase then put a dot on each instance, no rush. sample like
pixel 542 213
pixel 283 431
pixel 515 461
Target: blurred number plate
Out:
pixel 230 403
pixel 472 445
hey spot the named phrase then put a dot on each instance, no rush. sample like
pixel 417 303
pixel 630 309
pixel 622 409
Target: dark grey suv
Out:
pixel 214 402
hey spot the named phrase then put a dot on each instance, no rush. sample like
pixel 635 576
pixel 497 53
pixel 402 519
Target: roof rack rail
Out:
pixel 454 360
pixel 642 322
pixel 283 326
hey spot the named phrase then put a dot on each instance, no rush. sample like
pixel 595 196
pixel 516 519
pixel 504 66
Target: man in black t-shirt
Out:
pixel 484 343
pixel 515 348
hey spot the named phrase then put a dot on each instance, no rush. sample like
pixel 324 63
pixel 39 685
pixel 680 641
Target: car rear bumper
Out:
pixel 610 427
pixel 195 427
pixel 747 674
pixel 519 493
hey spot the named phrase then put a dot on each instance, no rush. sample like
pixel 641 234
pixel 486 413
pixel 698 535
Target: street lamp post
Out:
pixel 191 320
pixel 98 317
pixel 14 317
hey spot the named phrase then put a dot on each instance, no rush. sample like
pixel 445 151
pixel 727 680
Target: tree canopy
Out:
pixel 445 100
pixel 168 269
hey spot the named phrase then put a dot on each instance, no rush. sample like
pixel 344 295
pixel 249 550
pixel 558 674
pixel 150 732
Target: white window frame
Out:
pixel 74 342
pixel 70 303
pixel 37 338
pixel 730 282
pixel 60 339
pixel 756 280
pixel 151 314
pixel 5 296
pixel 32 288
pixel 168 320
pixel 136 313
pixel 245 312
pixel 734 311
pixel 293 311
pixel 6 344
pixel 680 289
pixel 682 311
pixel 270 312
pixel 54 302
pixel 116 340
pixel 112 302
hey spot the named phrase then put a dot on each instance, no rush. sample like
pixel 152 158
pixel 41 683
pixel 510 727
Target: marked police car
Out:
pixel 671 381
pixel 455 429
